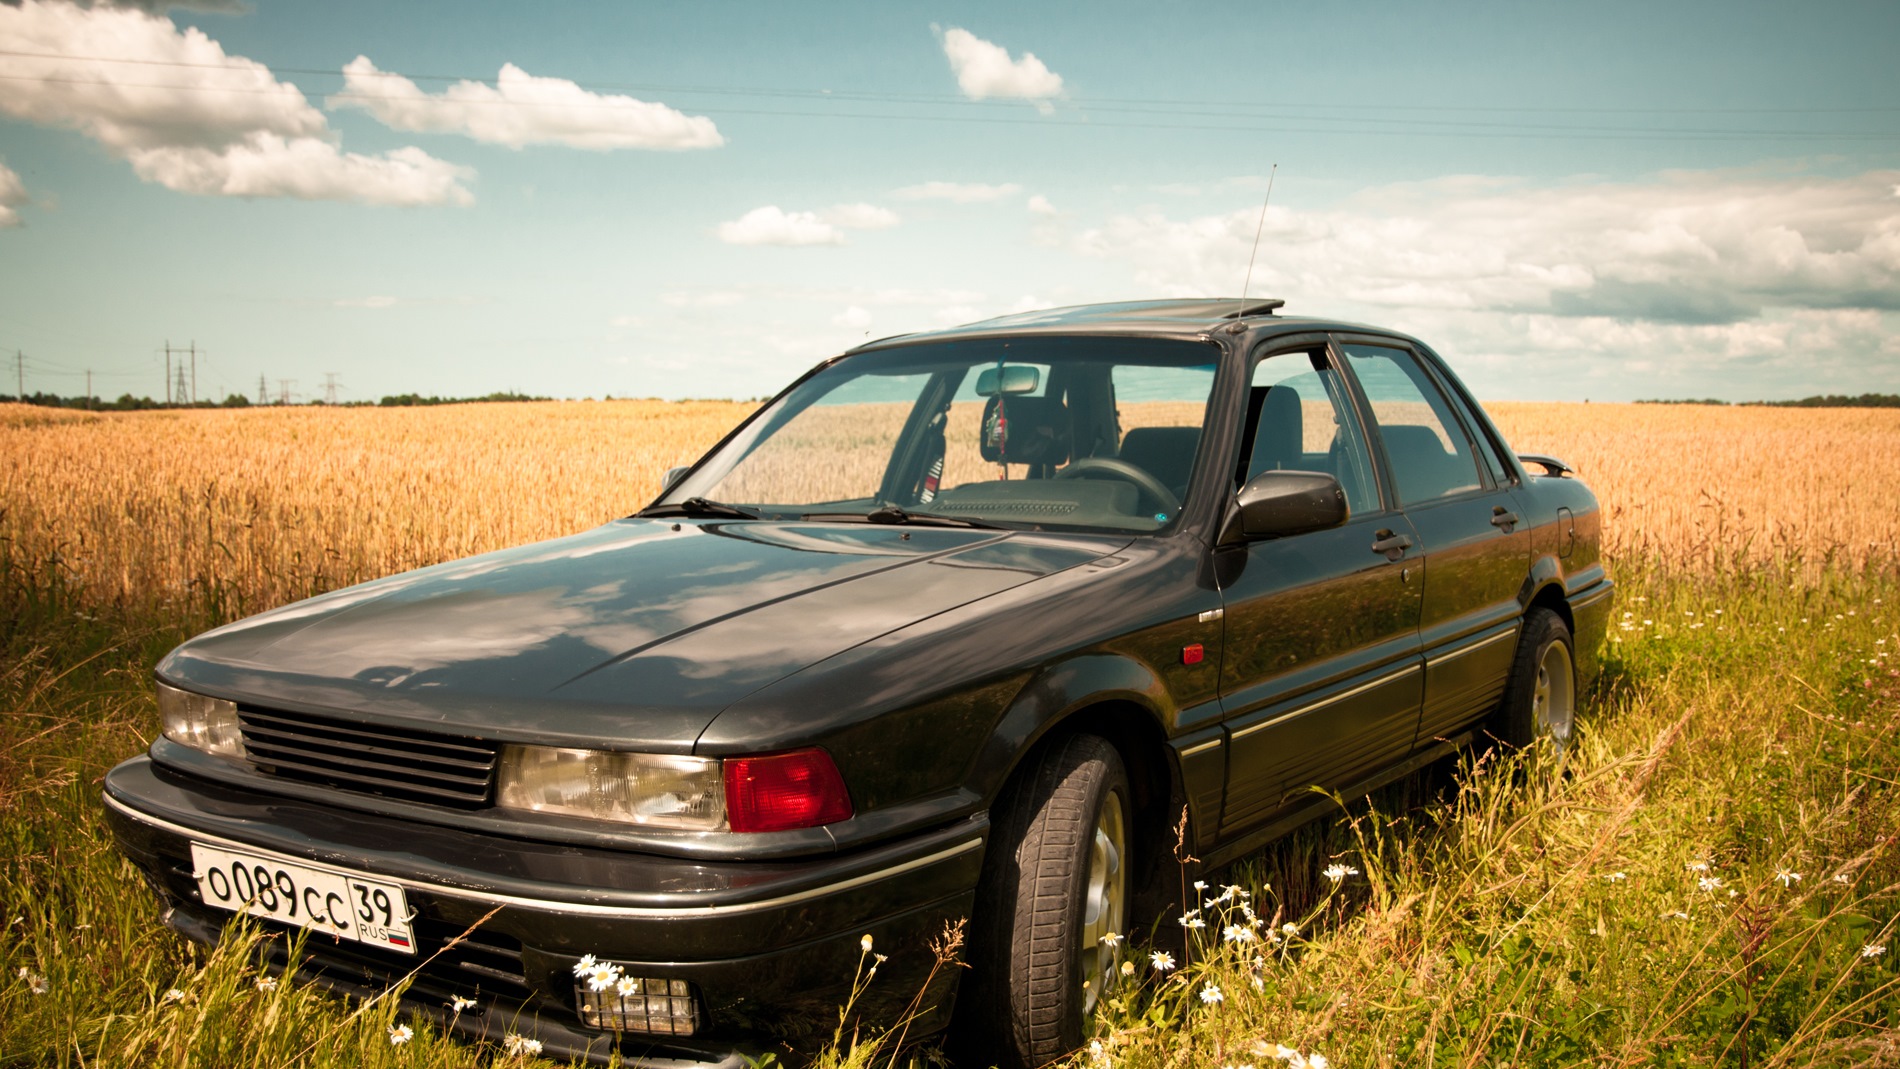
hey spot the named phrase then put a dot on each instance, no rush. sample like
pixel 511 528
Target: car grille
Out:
pixel 396 762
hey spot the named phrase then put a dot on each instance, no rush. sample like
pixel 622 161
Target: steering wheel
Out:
pixel 1117 468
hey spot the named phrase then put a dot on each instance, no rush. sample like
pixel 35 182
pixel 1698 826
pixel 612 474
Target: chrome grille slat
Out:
pixel 371 758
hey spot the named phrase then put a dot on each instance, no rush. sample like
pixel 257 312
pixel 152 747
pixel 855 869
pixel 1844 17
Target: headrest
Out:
pixel 1026 430
pixel 1279 443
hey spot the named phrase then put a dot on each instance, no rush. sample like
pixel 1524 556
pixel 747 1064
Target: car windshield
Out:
pixel 1051 433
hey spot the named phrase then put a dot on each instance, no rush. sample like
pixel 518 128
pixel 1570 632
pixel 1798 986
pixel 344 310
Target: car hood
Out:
pixel 637 633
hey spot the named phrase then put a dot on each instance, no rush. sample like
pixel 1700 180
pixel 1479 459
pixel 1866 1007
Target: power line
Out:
pixel 1425 127
pixel 935 98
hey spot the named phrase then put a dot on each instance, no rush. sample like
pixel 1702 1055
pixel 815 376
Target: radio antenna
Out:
pixel 1261 225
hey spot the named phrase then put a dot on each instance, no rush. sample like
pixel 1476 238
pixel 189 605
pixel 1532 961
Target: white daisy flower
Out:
pixel 585 965
pixel 1788 879
pixel 267 983
pixel 1873 950
pixel 864 944
pixel 1337 873
pixel 1709 884
pixel 400 1034
pixel 459 1003
pixel 1235 933
pixel 1616 877
pixel 520 1045
pixel 1211 994
pixel 174 995
pixel 38 985
pixel 603 977
pixel 1111 939
pixel 1163 960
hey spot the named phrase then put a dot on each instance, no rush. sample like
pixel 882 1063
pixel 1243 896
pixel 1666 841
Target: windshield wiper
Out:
pixel 699 506
pixel 891 514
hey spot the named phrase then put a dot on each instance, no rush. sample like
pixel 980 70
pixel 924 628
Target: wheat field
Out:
pixel 244 510
pixel 1706 877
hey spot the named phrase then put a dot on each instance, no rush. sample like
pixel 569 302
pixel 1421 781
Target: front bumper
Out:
pixel 770 947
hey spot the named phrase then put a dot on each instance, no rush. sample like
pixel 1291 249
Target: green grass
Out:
pixel 1541 909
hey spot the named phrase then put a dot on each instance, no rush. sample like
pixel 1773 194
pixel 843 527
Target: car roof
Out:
pixel 1189 318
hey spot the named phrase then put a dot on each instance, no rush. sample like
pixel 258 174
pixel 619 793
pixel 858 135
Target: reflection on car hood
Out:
pixel 634 633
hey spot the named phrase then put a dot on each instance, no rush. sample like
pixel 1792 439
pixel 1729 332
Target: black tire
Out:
pixel 1043 894
pixel 1540 699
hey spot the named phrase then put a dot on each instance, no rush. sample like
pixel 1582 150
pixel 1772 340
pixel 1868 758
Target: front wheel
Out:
pixel 1055 883
pixel 1540 700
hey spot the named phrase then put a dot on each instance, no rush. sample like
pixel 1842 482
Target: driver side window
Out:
pixel 1299 418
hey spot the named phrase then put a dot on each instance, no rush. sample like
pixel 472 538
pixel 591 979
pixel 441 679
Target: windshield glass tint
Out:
pixel 1087 433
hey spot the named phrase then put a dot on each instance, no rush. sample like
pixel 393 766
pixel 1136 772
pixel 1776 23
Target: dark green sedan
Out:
pixel 958 626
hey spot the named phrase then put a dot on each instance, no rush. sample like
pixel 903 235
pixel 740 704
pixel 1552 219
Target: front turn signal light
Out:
pixel 781 792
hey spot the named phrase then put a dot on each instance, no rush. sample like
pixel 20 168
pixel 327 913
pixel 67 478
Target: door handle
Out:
pixel 1392 545
pixel 1503 517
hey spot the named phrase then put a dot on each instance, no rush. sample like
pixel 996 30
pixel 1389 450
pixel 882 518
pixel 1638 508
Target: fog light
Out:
pixel 636 1004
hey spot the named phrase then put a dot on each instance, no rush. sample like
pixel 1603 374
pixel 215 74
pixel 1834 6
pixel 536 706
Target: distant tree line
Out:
pixel 129 403
pixel 1832 400
pixel 405 399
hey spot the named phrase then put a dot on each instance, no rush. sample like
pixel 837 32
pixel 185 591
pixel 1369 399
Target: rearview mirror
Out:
pixel 1275 504
pixel 1012 378
pixel 672 476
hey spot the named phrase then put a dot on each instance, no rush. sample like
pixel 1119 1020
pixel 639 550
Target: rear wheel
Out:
pixel 1540 700
pixel 1056 881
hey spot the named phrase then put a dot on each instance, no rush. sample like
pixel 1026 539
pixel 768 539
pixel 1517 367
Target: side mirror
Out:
pixel 672 476
pixel 1275 504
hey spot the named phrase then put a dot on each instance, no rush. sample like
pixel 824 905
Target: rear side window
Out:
pixel 1424 441
pixel 1488 452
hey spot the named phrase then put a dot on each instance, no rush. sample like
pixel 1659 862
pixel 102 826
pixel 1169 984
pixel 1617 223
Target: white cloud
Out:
pixel 956 315
pixel 1040 205
pixel 772 225
pixel 706 299
pixel 985 71
pixel 213 124
pixel 1687 247
pixel 959 192
pixel 861 217
pixel 854 317
pixel 12 196
pixel 522 109
pixel 1692 271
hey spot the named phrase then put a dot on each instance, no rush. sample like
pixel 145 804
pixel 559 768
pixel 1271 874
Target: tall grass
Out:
pixel 1542 909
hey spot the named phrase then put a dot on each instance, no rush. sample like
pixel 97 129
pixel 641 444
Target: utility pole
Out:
pixel 194 372
pixel 263 391
pixel 329 387
pixel 178 390
pixel 19 365
pixel 88 389
pixel 166 393
pixel 283 390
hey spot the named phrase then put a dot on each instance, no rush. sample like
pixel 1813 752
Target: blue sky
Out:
pixel 1616 200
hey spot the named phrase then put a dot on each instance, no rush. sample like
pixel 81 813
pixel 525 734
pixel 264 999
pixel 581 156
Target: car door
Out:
pixel 1320 671
pixel 1475 546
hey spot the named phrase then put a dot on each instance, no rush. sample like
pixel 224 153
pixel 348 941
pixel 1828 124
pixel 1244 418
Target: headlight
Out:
pixel 200 722
pixel 655 790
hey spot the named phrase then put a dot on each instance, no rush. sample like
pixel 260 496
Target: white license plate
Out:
pixel 333 901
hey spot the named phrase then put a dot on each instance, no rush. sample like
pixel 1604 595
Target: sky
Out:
pixel 1609 201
